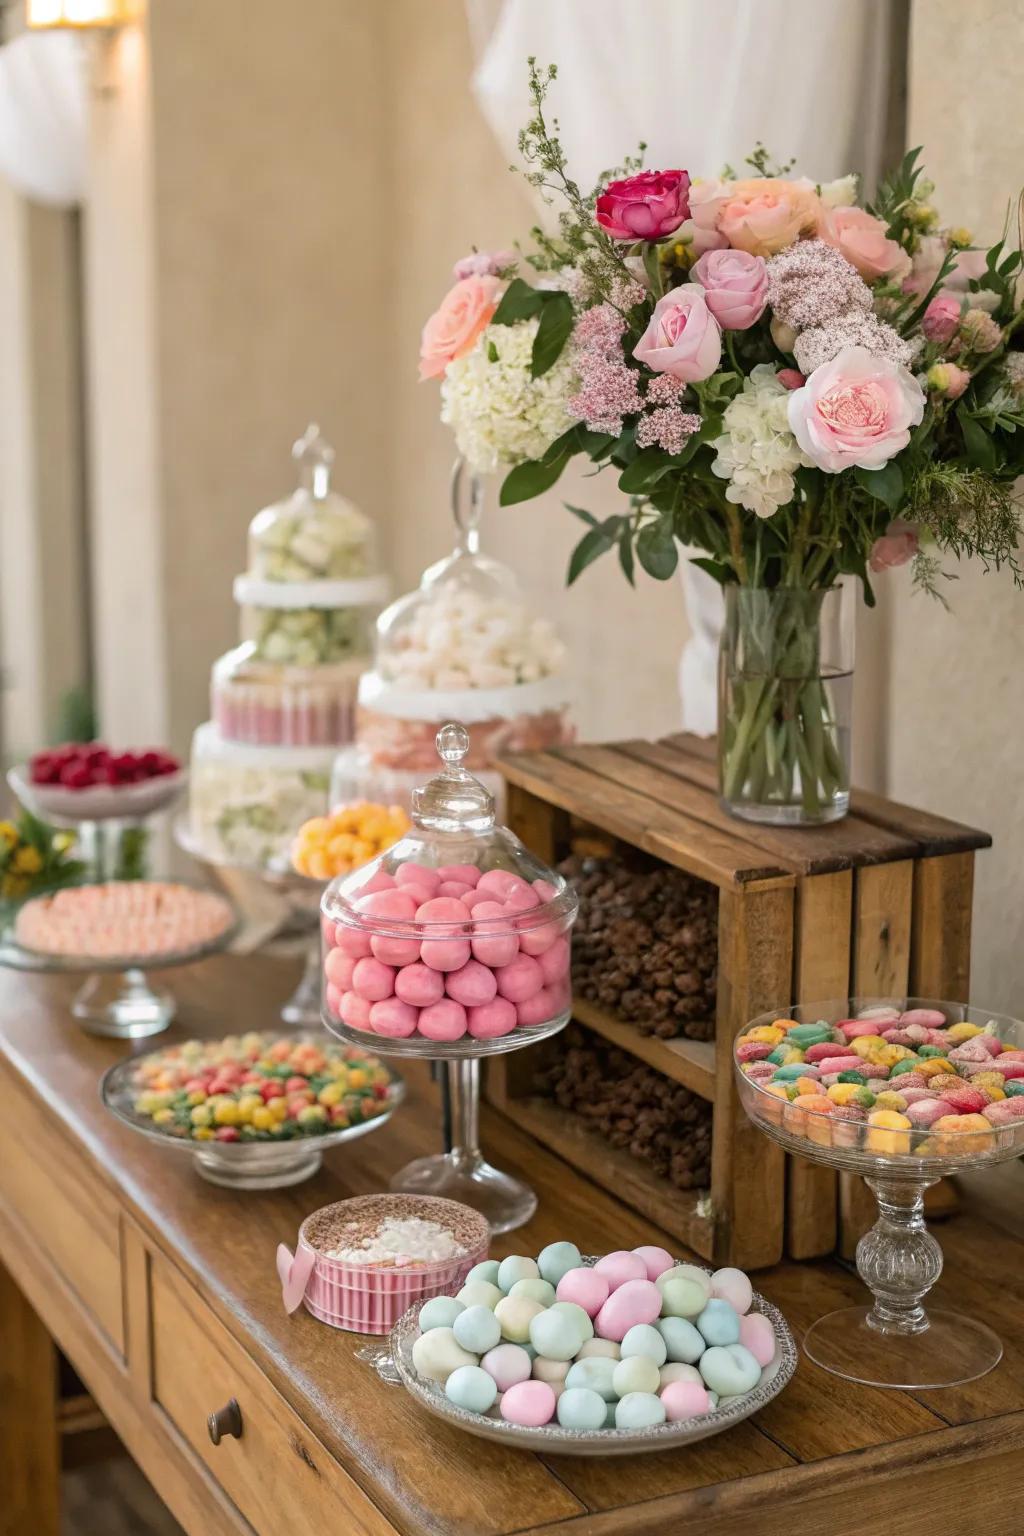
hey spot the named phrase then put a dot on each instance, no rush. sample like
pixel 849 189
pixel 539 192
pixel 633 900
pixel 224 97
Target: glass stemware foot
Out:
pixel 129 1010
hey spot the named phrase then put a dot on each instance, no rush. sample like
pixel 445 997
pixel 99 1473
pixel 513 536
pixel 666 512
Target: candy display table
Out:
pixel 163 1293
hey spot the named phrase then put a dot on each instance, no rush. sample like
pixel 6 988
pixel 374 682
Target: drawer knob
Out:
pixel 226 1421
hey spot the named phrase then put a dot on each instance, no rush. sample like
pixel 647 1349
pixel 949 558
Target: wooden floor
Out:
pixel 112 1498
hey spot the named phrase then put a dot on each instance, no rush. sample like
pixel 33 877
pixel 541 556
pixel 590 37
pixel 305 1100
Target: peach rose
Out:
pixel 453 329
pixel 862 239
pixel 682 338
pixel 856 410
pixel 765 214
pixel 898 544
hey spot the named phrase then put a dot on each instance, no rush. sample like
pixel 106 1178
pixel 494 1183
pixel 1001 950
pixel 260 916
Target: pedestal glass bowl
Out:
pixel 895 1342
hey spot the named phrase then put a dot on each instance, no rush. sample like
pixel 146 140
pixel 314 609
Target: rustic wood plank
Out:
pixel 940 951
pixel 755 959
pixel 933 834
pixel 821 970
pixel 719 857
pixel 29 1437
pixel 690 1062
pixel 543 827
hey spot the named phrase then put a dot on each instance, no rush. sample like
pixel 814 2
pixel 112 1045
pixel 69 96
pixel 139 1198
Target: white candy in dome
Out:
pixel 459 639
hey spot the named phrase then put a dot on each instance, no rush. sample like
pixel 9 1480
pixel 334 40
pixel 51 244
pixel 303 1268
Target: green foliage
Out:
pixel 885 484
pixel 521 302
pixel 969 513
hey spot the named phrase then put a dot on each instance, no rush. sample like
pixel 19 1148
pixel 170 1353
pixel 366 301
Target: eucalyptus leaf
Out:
pixel 518 302
pixel 646 470
pixel 552 334
pixel 591 547
pixel 530 479
pixel 885 484
pixel 656 550
pixel 981 450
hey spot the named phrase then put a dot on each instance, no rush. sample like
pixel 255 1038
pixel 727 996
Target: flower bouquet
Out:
pixel 802 388
pixel 34 859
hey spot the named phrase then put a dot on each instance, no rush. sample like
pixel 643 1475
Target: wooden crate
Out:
pixel 878 903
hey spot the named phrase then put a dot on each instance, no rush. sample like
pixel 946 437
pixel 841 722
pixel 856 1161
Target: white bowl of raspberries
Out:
pixel 89 781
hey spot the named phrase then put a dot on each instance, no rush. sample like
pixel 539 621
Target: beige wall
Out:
pixel 956 683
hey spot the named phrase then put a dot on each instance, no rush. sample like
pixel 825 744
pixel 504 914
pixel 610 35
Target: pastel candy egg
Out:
pixel 393 1018
pixel 686 1272
pixel 638 1301
pixel 516 1267
pixel 472 984
pixel 372 980
pixel 395 904
pixel 520 979
pixel 644 1340
pixel 537 1290
pixel 456 888
pixel 445 954
pixel 536 941
pixel 478 1330
pixel 684 1400
pixel 439 1312
pixel 682 1297
pixel 931 1018
pixel 554 962
pixel 758 1335
pixel 552 1371
pixel 491 1020
pixel 493 943
pixel 467 874
pixel 599 1349
pixel 471 1388
pixel 515 1314
pixel 595 1373
pixel 437 1353
pixel 620 1266
pixel 655 1260
pixel 675 1370
pixel 529 1403
pixel 480 1293
pixel 394 951
pixel 508 1364
pixel 537 1009
pixel 586 1288
pixel 338 969
pixel 411 873
pixel 381 881
pixel 447 910
pixel 682 1341
pixel 729 1369
pixel 498 881
pixel 445 1020
pixel 579 1408
pixel 732 1285
pixel 351 941
pixel 419 985
pixel 635 1373
pixel 556 1260
pixel 555 1335
pixel 639 1410
pixel 355 1011
pixel 577 1315
pixel 487 1270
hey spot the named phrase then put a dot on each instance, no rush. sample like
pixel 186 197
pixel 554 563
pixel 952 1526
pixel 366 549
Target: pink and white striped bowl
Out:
pixel 367 1298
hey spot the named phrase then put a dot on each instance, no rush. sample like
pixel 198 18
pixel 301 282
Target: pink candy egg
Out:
pixel 394 951
pixel 419 985
pixel 732 1285
pixel 520 898
pixel 586 1288
pixel 545 890
pixel 443 909
pixel 445 1020
pixel 333 999
pixel 338 968
pixel 758 1335
pixel 837 1064
pixel 372 980
pixel 537 1009
pixel 490 1020
pixel 821 1052
pixel 507 1364
pixel 445 954
pixel 853 1029
pixel 455 888
pixel 355 1011
pixel 529 1403
pixel 753 1050
pixel 924 1112
pixel 520 979
pixel 419 875
pixel 499 882
pixel 931 1018
pixel 466 874
pixel 537 941
pixel 351 941
pixel 620 1266
pixel 655 1261
pixel 493 945
pixel 396 905
pixel 684 1400
pixel 381 881
pixel 554 962
pixel 637 1301
pixel 472 984
pixel 394 1018
pixel 1004 1112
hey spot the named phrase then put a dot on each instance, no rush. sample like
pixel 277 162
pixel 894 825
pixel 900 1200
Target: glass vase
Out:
pixel 785 704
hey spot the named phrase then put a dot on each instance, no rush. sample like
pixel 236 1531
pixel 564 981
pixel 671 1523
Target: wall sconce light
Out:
pixel 80 15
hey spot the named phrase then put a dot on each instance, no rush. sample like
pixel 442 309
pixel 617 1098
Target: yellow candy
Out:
pixel 201 1115
pixel 808 1085
pixel 202 1133
pixel 958 1033
pixel 163 1117
pixel 843 1093
pixel 891 1054
pixel 888 1099
pixel 278 1108
pixel 357 1078
pixel 867 1046
pixel 226 1113
pixel 331 1094
pixel 994 1079
pixel 247 1106
pixel 765 1034
pixel 791 1053
pixel 197 1096
pixel 888 1133
pixel 262 1118
pixel 785 1023
pixel 933 1066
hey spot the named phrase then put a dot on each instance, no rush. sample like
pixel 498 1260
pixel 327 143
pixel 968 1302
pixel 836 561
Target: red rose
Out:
pixel 644 207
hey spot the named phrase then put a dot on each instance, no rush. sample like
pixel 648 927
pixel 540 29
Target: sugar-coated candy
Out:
pixel 355 1010
pixel 732 1285
pixel 682 1340
pixel 394 951
pixel 486 1270
pixel 529 1403
pixel 472 985
pixel 395 904
pixel 655 1260
pixel 556 1260
pixel 417 984
pixel 635 1373
pixel 620 1266
pixel 578 1408
pixel 586 1288
pixel 552 1371
pixel 600 1349
pixel 445 954
pixel 444 1020
pixel 470 1387
pixel 393 1018
pixel 729 1369
pixel 684 1290
pixel 758 1335
pixel 643 1339
pixel 596 1374
pixel 437 1353
pixel 537 1290
pixel 675 1370
pixel 477 1329
pixel 638 1301
pixel 555 1334
pixel 508 1364
pixel 439 1312
pixel 411 873
pixel 480 1293
pixel 684 1400
pixel 372 980
pixel 520 979
pixel 515 1314
pixel 498 948
pixel 491 1020
pixel 578 1316
pixel 516 1267
pixel 718 1323
pixel 639 1410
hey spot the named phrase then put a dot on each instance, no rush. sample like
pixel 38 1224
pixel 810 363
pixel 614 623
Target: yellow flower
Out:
pixel 13 885
pixel 27 860
pixel 8 833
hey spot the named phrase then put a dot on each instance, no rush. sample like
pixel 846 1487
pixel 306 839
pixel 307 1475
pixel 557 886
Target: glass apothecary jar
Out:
pixel 314 534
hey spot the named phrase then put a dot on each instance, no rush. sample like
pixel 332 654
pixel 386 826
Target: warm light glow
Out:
pixel 81 13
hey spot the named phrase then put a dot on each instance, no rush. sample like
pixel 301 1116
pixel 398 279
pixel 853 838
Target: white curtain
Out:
pixel 44 95
pixel 701 83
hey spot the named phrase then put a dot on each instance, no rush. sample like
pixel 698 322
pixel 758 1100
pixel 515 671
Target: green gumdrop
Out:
pixel 778 1056
pixel 931 1050
pixel 908 1064
pixel 809 1034
pixel 865 1098
pixel 790 1073
pixel 852 1077
pixel 1013 1087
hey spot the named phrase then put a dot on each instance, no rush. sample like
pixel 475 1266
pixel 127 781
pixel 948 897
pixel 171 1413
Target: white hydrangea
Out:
pixel 841 193
pixel 758 453
pixel 461 639
pixel 500 414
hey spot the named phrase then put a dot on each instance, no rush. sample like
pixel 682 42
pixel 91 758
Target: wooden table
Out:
pixel 161 1290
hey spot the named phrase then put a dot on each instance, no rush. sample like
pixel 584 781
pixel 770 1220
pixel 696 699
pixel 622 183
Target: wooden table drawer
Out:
pixel 276 1471
pixel 63 1205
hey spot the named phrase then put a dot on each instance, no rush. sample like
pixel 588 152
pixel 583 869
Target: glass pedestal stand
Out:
pixel 463 1173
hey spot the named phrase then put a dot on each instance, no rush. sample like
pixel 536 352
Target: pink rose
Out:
pixel 791 378
pixel 898 544
pixel 942 317
pixel 765 214
pixel 855 410
pixel 947 379
pixel 735 287
pixel 644 207
pixel 484 264
pixel 453 329
pixel 862 239
pixel 682 338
